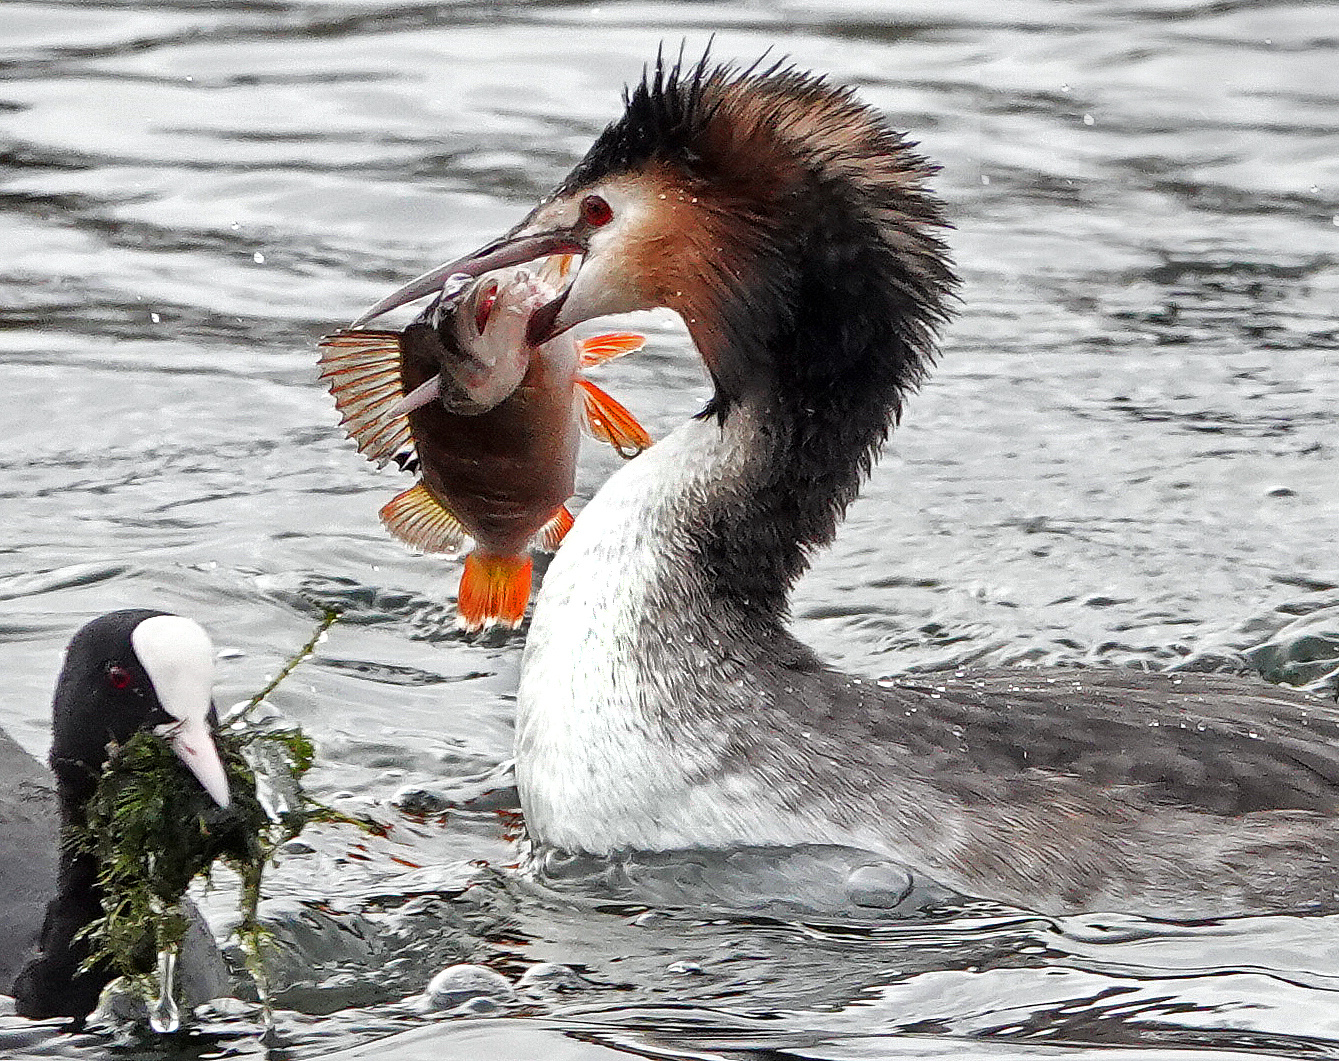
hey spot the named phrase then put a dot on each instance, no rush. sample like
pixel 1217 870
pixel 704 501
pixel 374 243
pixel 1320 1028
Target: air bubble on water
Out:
pixel 550 976
pixel 258 258
pixel 468 988
pixel 1088 119
pixel 155 318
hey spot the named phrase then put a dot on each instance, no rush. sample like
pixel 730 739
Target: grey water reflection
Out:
pixel 1126 457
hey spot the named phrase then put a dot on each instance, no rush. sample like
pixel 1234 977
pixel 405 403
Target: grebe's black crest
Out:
pixel 817 202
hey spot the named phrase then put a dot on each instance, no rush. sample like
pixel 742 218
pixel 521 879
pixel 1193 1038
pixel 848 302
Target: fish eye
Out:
pixel 118 677
pixel 485 310
pixel 595 211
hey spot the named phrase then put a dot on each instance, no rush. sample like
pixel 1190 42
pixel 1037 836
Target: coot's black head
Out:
pixel 131 670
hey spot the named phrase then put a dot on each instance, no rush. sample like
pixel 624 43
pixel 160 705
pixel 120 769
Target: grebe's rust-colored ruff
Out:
pixel 663 703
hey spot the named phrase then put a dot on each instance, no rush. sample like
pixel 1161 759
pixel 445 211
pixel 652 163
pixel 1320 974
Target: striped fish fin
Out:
pixel 601 348
pixel 608 421
pixel 417 518
pixel 362 370
pixel 551 535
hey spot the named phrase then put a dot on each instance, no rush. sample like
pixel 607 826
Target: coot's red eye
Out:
pixel 485 310
pixel 119 677
pixel 595 211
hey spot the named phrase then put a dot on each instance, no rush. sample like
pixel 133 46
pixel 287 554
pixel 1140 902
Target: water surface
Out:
pixel 1127 457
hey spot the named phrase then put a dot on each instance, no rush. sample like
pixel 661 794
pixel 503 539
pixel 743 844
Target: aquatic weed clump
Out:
pixel 153 829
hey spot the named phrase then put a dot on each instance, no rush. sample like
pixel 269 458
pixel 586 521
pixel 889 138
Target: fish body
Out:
pixel 491 423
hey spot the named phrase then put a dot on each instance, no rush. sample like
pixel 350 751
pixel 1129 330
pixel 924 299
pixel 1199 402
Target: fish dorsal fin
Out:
pixel 551 535
pixel 608 421
pixel 417 518
pixel 601 348
pixel 362 370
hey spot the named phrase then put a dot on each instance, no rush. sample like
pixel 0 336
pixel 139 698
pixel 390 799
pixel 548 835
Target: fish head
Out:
pixel 472 341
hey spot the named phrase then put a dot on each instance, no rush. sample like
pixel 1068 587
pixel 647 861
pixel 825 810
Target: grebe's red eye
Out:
pixel 119 677
pixel 595 211
pixel 485 310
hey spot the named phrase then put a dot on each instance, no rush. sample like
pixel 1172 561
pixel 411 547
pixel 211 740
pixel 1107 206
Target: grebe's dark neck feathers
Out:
pixel 806 260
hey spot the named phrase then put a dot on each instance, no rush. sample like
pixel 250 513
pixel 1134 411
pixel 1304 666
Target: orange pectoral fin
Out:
pixel 494 591
pixel 417 518
pixel 608 421
pixel 601 348
pixel 551 535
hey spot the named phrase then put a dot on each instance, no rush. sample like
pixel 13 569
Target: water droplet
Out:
pixel 164 1017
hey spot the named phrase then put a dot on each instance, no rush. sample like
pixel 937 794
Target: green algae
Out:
pixel 153 829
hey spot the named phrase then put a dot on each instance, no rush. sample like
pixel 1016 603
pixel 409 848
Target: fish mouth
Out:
pixel 509 250
pixel 543 323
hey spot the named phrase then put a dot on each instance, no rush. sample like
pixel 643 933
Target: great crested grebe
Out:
pixel 124 671
pixel 664 705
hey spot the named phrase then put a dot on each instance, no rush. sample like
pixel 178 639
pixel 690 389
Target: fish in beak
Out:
pixel 489 420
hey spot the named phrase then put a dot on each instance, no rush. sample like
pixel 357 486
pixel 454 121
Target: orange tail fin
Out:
pixel 608 421
pixel 494 590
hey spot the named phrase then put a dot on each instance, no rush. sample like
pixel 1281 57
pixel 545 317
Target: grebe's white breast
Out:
pixel 607 755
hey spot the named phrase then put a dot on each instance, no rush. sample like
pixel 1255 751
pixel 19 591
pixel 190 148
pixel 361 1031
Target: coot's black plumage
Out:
pixel 663 702
pixel 125 671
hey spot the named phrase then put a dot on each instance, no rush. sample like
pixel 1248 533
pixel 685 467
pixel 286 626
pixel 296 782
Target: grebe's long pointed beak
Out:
pixel 510 250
